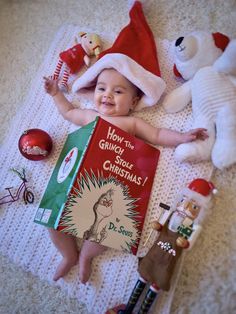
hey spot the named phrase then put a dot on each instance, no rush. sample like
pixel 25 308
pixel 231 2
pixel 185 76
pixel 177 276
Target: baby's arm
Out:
pixel 166 137
pixel 66 108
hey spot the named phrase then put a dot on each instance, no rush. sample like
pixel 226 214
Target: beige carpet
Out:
pixel 26 29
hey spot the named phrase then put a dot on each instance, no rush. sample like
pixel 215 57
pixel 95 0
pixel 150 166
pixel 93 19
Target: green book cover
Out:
pixel 63 176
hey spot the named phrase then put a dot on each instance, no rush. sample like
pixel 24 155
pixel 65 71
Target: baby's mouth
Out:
pixel 108 104
pixel 181 48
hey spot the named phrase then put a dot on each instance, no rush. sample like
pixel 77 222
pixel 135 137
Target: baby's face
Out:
pixel 114 94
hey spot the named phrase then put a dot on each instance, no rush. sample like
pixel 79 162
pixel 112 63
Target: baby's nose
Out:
pixel 187 205
pixel 107 95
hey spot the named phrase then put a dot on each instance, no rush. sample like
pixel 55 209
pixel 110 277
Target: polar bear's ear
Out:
pixel 221 40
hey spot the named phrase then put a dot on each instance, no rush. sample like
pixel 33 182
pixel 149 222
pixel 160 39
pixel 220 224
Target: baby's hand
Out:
pixel 50 86
pixel 195 134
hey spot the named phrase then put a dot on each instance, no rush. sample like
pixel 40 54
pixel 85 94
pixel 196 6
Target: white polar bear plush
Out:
pixel 211 85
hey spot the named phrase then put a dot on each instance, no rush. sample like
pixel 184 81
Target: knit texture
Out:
pixel 28 244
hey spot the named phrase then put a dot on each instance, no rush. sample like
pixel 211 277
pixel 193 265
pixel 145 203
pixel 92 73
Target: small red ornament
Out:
pixel 35 144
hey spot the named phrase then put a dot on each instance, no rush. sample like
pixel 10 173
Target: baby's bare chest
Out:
pixel 124 123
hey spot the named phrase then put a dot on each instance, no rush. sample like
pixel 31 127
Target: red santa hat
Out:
pixel 134 55
pixel 209 47
pixel 201 191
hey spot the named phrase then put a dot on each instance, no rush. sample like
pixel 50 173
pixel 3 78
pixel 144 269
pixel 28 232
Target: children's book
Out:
pixel 100 187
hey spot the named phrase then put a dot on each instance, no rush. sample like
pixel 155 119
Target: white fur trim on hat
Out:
pixel 151 85
pixel 203 201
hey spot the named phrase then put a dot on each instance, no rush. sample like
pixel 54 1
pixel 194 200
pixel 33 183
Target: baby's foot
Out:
pixel 65 266
pixel 88 251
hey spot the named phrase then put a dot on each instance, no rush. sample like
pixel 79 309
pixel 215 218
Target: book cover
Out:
pixel 100 187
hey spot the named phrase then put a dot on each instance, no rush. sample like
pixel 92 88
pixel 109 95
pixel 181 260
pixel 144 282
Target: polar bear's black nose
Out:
pixel 179 41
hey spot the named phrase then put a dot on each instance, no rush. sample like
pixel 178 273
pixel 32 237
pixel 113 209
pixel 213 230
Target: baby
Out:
pixel 114 98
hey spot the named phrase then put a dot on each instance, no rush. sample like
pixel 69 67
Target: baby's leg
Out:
pixel 67 246
pixel 88 251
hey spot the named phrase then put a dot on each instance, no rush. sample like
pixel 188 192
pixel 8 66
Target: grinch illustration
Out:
pixel 102 209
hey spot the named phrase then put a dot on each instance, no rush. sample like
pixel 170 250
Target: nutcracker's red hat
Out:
pixel 134 55
pixel 201 191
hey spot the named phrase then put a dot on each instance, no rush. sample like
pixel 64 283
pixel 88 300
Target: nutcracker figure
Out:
pixel 178 232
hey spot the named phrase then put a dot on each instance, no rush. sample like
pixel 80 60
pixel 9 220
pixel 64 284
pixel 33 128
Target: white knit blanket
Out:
pixel 28 244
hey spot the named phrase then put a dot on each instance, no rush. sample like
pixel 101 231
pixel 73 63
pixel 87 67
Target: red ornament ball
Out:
pixel 35 144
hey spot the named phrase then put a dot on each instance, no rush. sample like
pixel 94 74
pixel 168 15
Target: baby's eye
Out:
pixel 101 89
pixel 118 91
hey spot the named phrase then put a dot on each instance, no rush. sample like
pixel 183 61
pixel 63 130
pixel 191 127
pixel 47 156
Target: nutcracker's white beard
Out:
pixel 175 221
